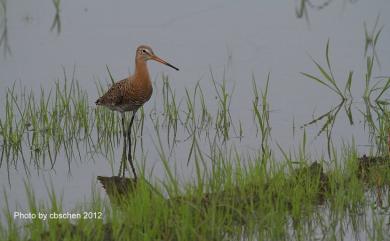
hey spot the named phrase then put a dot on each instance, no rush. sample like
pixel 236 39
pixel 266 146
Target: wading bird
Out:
pixel 130 94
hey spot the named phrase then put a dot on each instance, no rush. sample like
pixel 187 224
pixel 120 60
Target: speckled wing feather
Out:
pixel 114 96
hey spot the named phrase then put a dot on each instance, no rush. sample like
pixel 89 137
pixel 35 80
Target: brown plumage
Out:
pixel 131 93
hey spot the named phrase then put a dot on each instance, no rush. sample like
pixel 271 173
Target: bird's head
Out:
pixel 145 53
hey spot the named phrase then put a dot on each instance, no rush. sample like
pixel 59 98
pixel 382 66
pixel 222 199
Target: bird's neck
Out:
pixel 141 72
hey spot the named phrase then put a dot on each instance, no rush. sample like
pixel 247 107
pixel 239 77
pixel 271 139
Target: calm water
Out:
pixel 242 39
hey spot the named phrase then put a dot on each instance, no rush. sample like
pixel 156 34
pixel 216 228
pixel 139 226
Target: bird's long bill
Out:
pixel 164 62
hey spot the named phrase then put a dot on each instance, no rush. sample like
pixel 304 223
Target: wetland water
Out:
pixel 224 40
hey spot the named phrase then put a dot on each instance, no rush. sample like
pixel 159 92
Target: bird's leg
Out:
pixel 129 151
pixel 123 161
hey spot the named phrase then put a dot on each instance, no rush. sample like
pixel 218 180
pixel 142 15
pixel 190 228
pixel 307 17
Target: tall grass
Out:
pixel 4 28
pixel 262 116
pixel 223 117
pixel 60 119
pixel 374 103
pixel 57 19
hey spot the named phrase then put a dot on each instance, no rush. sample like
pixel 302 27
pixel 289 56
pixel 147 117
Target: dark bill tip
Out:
pixel 172 66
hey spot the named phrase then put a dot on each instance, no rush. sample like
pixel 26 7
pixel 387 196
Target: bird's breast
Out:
pixel 140 93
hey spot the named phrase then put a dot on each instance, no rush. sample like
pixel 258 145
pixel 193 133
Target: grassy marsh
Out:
pixel 234 194
pixel 252 197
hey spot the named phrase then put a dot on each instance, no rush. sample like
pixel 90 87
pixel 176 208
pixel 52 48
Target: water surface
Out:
pixel 231 39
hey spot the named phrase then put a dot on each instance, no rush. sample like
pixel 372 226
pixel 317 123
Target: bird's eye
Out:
pixel 144 51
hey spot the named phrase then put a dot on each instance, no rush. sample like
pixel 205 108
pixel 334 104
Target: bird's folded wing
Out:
pixel 114 96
